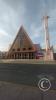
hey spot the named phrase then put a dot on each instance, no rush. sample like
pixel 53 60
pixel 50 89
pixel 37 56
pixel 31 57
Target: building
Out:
pixel 39 54
pixel 23 47
pixel 2 54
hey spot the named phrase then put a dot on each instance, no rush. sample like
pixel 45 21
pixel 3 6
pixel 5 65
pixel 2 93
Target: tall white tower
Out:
pixel 49 52
pixel 47 41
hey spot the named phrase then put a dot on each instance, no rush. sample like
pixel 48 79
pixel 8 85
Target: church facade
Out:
pixel 23 47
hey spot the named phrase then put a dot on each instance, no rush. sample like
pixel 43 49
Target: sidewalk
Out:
pixel 27 61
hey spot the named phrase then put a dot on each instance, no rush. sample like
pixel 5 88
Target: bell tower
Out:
pixel 48 51
pixel 47 39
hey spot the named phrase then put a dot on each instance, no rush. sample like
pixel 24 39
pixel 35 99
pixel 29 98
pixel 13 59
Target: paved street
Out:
pixel 27 74
pixel 20 81
pixel 10 91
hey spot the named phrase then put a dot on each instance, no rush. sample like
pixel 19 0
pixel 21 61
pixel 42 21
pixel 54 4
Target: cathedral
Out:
pixel 23 47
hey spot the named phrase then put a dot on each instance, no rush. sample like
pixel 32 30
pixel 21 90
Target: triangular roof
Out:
pixel 22 40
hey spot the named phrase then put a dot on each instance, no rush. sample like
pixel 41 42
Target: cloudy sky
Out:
pixel 29 13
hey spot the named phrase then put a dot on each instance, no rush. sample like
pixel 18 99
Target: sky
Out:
pixel 29 13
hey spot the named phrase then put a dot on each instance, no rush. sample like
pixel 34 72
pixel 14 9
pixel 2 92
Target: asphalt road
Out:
pixel 27 75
